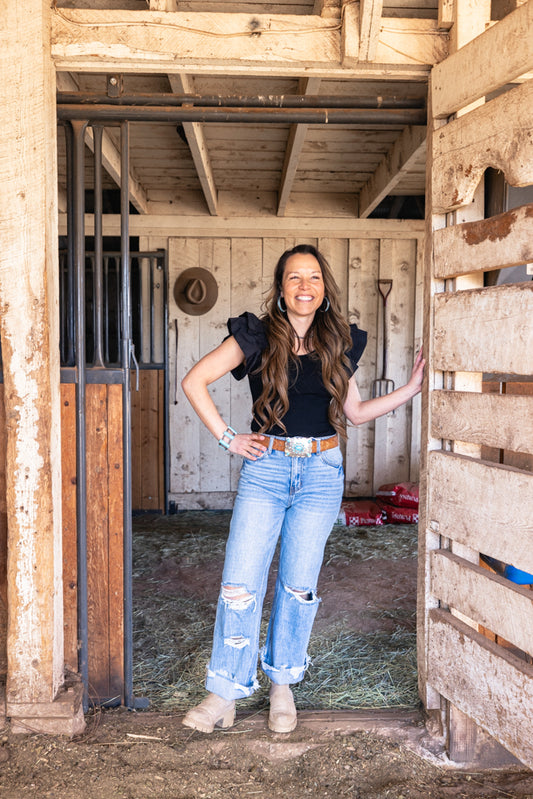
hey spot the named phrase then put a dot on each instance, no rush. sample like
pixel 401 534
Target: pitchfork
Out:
pixel 383 385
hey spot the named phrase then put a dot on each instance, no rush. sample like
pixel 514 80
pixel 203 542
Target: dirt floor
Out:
pixel 139 755
pixel 360 733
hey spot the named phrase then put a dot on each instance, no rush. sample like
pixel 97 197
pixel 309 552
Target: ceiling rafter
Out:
pixel 181 84
pixel 293 151
pixel 370 12
pixel 110 152
pixel 406 150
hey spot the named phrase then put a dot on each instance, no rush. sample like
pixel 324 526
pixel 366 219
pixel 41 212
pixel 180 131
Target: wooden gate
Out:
pixel 476 625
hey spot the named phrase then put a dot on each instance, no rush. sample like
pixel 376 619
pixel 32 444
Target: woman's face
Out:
pixel 302 286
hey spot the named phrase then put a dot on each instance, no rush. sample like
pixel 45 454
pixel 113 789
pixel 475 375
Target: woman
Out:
pixel 300 359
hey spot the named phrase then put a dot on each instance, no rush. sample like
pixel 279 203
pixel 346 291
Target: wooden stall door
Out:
pixel 476 625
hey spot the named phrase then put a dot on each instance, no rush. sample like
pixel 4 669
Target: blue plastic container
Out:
pixel 518 576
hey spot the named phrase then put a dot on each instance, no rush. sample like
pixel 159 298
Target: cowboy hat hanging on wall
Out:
pixel 195 291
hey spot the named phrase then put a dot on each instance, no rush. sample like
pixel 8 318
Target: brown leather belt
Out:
pixel 298 447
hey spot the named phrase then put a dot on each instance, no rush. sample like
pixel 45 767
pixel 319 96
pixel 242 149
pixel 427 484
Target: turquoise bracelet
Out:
pixel 226 438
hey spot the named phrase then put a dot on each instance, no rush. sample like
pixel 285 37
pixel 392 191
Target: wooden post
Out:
pixel 37 698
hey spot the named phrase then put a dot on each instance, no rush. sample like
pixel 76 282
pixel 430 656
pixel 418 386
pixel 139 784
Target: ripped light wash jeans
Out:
pixel 299 499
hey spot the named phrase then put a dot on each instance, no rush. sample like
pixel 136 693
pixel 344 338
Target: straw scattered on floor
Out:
pixel 172 633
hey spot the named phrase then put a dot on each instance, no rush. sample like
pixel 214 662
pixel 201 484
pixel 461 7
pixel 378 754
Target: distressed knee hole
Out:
pixel 302 595
pixel 236 596
pixel 237 641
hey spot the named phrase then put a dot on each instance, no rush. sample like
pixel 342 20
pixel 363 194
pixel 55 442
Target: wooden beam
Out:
pixel 369 28
pixel 473 72
pixel 273 226
pixel 489 419
pixel 496 134
pixel 110 151
pixel 295 143
pixel 495 243
pixel 445 13
pixel 407 150
pixel 181 84
pixel 233 44
pixel 486 598
pixel 350 35
pixel 473 329
pixel 29 326
pixel 466 496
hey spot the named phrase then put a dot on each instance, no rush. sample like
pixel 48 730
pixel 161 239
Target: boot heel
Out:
pixel 227 719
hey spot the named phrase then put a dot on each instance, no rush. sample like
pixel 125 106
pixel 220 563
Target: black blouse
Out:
pixel 308 398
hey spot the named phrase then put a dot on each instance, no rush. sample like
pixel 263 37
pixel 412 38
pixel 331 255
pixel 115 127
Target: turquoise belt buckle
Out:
pixel 297 447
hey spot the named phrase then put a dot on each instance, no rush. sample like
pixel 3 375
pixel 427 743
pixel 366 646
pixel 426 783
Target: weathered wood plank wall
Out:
pixel 201 475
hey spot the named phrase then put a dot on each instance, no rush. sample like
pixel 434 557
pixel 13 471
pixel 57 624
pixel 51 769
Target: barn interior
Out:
pixel 213 136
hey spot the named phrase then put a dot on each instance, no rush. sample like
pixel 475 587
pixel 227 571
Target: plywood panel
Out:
pixel 474 330
pixel 494 420
pixel 495 243
pixel 485 506
pixel 489 684
pixel 488 599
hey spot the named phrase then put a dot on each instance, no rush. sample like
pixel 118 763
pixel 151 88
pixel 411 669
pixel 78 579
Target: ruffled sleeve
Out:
pixel 249 333
pixel 359 338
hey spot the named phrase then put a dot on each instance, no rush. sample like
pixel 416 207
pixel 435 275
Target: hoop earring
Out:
pixel 328 304
pixel 282 310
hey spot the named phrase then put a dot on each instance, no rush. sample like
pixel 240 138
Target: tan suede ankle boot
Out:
pixel 282 715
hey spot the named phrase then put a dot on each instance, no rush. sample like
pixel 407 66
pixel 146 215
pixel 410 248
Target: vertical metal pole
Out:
pixel 78 237
pixel 166 376
pixel 152 312
pixel 70 305
pixel 98 248
pixel 126 413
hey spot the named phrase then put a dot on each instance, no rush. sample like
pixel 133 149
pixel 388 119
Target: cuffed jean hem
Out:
pixel 284 675
pixel 223 685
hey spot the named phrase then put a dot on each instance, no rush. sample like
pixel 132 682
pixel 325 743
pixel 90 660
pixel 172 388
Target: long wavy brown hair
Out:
pixel 328 339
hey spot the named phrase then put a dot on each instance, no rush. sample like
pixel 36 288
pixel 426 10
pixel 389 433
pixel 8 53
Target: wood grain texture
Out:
pixel 492 686
pixel 70 546
pixel 485 506
pixel 474 328
pixel 495 420
pixel 486 598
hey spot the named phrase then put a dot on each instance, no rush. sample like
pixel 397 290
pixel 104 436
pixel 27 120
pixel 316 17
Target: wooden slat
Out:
pixel 136 442
pixel 486 598
pixel 474 330
pixel 485 506
pixel 489 684
pixel 363 268
pixel 97 540
pixel 115 587
pixel 494 243
pixel 496 134
pixel 70 548
pixel 474 71
pixel 493 420
pixel 392 432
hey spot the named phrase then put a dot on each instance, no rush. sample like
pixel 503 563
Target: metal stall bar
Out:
pixel 69 353
pixel 256 116
pixel 98 358
pixel 77 234
pixel 127 355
